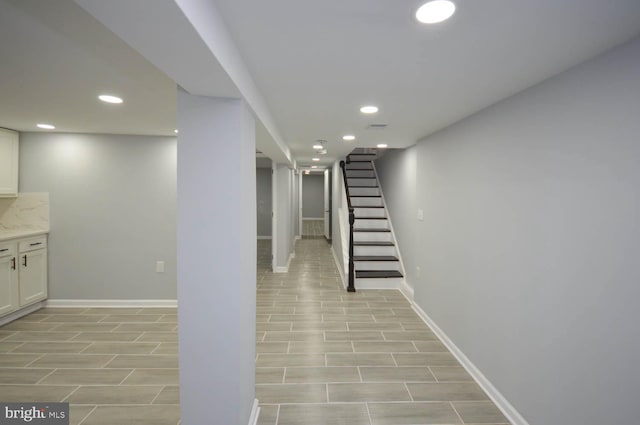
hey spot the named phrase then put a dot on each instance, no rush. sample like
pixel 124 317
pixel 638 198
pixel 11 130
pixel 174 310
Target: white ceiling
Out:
pixel 315 64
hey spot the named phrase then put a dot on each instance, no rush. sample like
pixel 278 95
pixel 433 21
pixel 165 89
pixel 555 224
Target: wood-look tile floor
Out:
pixel 114 366
pixel 328 357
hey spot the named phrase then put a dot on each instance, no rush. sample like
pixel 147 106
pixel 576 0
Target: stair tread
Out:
pixel 359 177
pixel 373 243
pixel 377 273
pixel 372 230
pixel 359 187
pixel 370 218
pixel 360 160
pixel 367 206
pixel 365 196
pixel 375 258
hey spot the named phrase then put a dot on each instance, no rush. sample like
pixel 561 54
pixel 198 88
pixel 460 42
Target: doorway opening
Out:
pixel 315 205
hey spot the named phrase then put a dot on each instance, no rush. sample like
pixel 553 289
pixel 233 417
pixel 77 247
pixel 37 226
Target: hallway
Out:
pixel 325 356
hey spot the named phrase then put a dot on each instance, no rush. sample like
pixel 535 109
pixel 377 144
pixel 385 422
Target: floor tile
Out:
pixel 51 347
pixel 152 377
pixel 311 375
pixel 34 393
pixel 121 348
pixel 87 376
pixel 17 360
pixel 22 376
pixel 412 413
pixel 107 336
pixel 292 393
pixel 446 392
pixel 72 360
pixel 290 360
pixel 148 361
pixel 41 336
pixel 320 347
pixel 396 374
pixel 269 375
pixel 384 347
pixel 138 415
pixel 78 412
pixel 480 413
pixel 170 394
pixel 324 414
pixel 360 359
pixel 158 337
pixel 354 336
pixel 425 359
pixel 450 374
pixel 268 414
pixel 409 336
pixel 367 392
pixel 121 394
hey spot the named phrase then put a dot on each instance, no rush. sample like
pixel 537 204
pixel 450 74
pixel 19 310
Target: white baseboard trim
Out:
pixel 112 303
pixel 255 413
pixel 406 290
pixel 260 238
pixel 285 269
pixel 335 259
pixel 20 313
pixel 313 218
pixel 501 402
pixel 298 237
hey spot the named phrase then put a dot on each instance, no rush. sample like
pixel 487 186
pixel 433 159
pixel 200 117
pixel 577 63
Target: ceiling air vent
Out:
pixel 377 127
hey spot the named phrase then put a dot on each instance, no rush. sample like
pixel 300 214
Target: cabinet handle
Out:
pixel 36 243
pixel 13 263
pixel 24 257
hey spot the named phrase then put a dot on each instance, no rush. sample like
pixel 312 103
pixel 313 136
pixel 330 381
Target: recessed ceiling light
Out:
pixel 435 11
pixel 175 131
pixel 318 146
pixel 348 137
pixel 316 159
pixel 307 171
pixel 381 145
pixel 370 109
pixel 109 98
pixel 46 126
pixel 314 166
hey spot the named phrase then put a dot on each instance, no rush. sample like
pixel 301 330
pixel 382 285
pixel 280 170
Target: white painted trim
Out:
pixel 260 238
pixel 298 237
pixel 255 413
pixel 407 290
pixel 501 402
pixel 313 218
pixel 285 269
pixel 20 313
pixel 335 259
pixel 112 303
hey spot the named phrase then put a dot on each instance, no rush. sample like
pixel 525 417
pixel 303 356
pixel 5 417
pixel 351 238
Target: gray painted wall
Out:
pixel 529 246
pixel 263 192
pixel 313 196
pixel 113 212
pixel 397 176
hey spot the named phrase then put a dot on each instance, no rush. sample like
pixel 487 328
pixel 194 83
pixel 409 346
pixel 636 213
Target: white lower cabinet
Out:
pixel 23 273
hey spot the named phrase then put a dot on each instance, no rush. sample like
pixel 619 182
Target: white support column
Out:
pixel 282 233
pixel 216 260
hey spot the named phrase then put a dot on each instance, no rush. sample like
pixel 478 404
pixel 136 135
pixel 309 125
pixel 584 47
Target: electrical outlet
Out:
pixel 160 267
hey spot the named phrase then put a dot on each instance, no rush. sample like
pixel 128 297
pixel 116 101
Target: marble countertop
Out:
pixel 6 235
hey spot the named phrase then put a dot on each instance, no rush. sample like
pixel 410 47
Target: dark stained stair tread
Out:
pixel 365 196
pixel 376 243
pixel 377 273
pixel 359 187
pixel 375 258
pixel 372 230
pixel 371 218
pixel 367 206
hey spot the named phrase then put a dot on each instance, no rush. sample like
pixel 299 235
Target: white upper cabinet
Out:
pixel 8 163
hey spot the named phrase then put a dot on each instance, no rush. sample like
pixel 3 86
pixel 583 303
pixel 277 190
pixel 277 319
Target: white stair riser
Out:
pixel 371 224
pixel 364 191
pixel 370 212
pixel 360 173
pixel 362 182
pixel 372 237
pixel 374 202
pixel 359 166
pixel 374 250
pixel 381 283
pixel 377 265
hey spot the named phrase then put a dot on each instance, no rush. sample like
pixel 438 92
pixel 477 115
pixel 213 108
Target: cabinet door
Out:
pixel 8 285
pixel 33 276
pixel 8 163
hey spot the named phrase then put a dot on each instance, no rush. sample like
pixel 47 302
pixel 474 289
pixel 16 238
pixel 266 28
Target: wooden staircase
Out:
pixel 375 255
